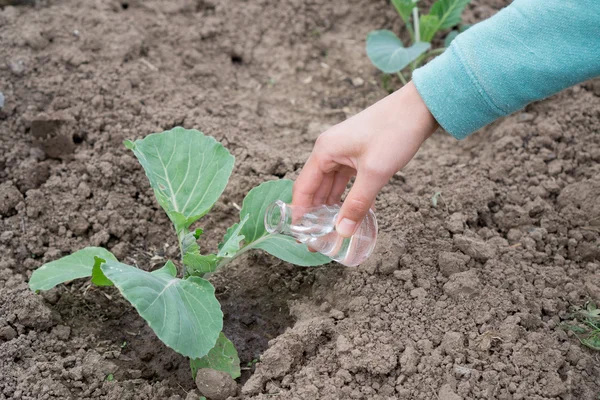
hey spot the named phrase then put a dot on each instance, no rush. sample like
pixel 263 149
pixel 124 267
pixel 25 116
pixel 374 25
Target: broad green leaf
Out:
pixel 98 277
pixel 386 51
pixel 201 264
pixel 287 249
pixel 404 9
pixel 187 170
pixel 257 237
pixel 450 37
pixel 448 12
pixel 232 239
pixel 169 269
pixel 77 265
pixel 222 357
pixel 184 314
pixel 429 25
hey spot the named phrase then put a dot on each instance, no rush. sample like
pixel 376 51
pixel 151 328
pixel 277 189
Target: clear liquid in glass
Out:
pixel 315 226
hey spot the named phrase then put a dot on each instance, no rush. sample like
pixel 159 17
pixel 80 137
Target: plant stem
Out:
pixel 180 235
pixel 402 78
pixel 415 13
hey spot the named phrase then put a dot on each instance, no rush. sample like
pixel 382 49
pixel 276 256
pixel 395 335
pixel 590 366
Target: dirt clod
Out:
pixel 215 385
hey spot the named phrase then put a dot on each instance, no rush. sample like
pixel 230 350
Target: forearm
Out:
pixel 528 51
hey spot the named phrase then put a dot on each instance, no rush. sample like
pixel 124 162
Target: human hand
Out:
pixel 372 145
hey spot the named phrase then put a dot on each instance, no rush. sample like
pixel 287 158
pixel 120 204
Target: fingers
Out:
pixel 359 200
pixel 340 182
pixel 322 193
pixel 307 183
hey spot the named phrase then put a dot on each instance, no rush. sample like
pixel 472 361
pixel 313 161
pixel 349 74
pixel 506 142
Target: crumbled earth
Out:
pixel 461 300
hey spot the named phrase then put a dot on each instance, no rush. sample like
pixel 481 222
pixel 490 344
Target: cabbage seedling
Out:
pixel 188 171
pixel 387 52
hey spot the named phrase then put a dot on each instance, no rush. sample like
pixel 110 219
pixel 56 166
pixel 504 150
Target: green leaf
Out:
pixel 77 265
pixel 450 37
pixel 187 170
pixel 404 9
pixel 202 264
pixel 198 232
pixel 257 237
pixel 386 51
pixel 448 12
pixel 576 329
pixel 184 314
pixel 592 342
pixel 429 25
pixel 169 269
pixel 287 249
pixel 222 357
pixel 98 277
pixel 189 244
pixel 110 377
pixel 232 239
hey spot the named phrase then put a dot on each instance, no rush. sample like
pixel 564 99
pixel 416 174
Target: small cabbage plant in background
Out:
pixel 387 52
pixel 188 171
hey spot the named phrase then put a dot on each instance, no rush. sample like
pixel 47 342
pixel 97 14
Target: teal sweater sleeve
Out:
pixel 527 51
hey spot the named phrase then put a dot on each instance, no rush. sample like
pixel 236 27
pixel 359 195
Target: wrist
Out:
pixel 415 114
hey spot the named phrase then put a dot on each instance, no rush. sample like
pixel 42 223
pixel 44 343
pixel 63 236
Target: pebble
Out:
pixel 1 100
pixel 357 82
pixel 17 67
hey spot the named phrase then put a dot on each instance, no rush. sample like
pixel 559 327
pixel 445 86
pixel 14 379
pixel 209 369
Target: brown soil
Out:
pixel 460 301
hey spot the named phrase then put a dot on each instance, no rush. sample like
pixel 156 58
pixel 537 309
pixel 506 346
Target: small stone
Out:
pixel 453 343
pixel 455 223
pixel 476 248
pixel 409 361
pixel 7 333
pixel 62 332
pixel 336 314
pixel 1 100
pixel 463 284
pixel 10 197
pixel 216 385
pixel 555 167
pixel 17 67
pixel 78 225
pixel 403 275
pixel 452 263
pixel 357 82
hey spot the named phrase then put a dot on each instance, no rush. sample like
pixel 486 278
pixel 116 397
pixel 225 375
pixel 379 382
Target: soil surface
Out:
pixel 461 300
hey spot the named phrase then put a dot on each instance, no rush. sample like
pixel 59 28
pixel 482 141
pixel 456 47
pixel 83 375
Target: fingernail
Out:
pixel 346 227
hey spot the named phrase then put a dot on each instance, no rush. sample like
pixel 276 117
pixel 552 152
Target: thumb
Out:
pixel 357 203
